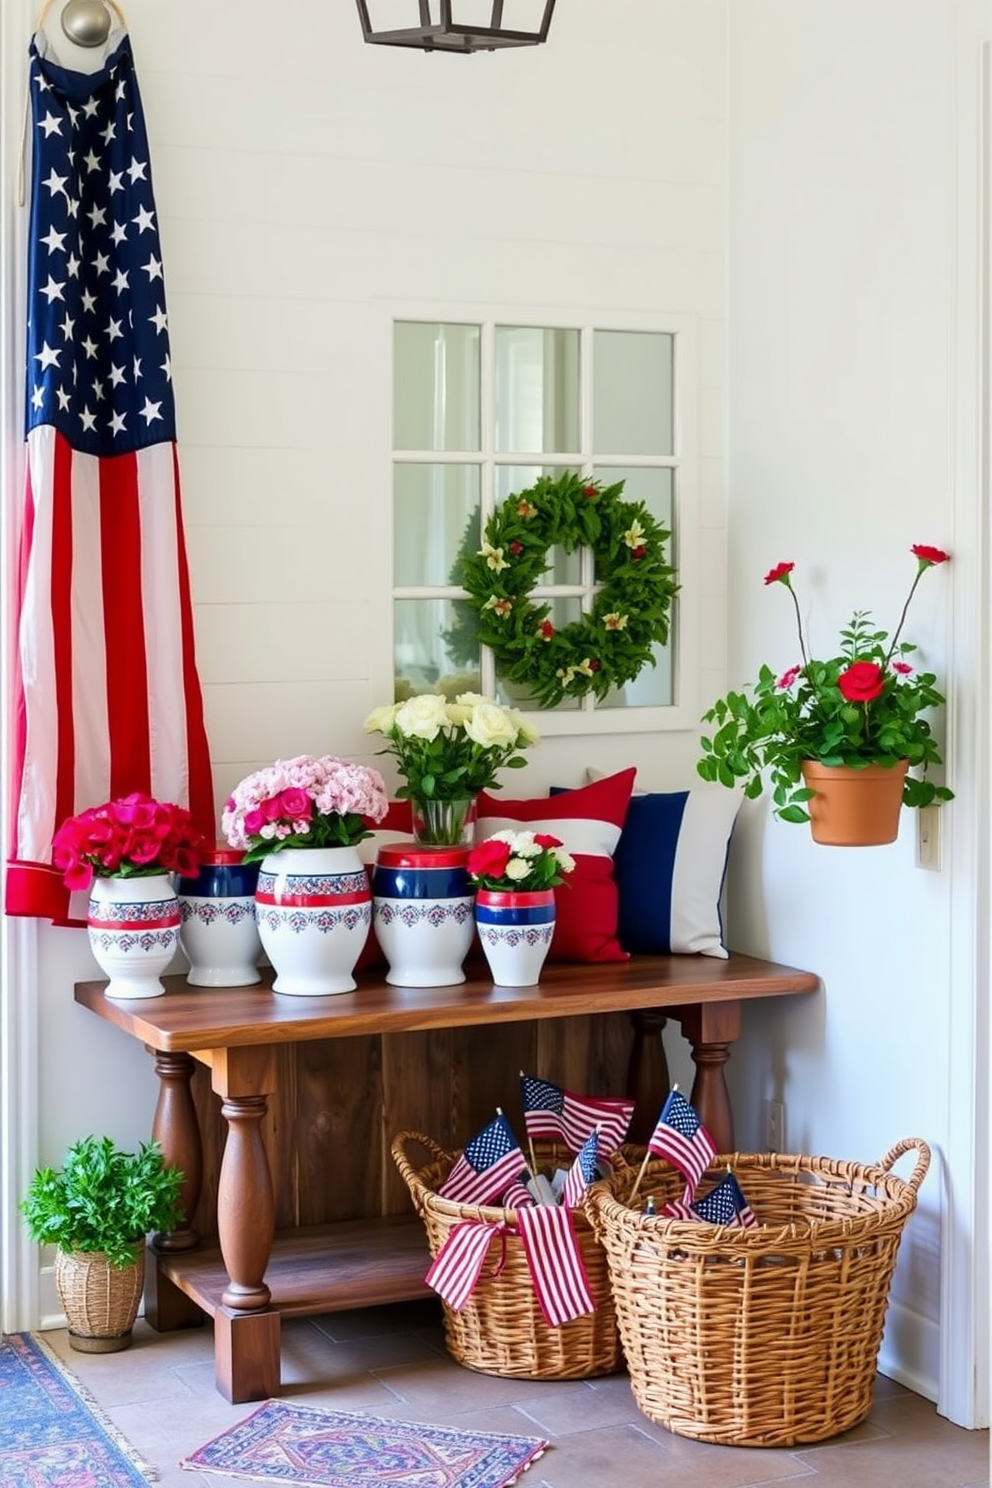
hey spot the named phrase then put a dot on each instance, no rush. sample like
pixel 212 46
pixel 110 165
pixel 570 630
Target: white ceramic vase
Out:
pixel 133 928
pixel 218 933
pixel 515 929
pixel 422 904
pixel 313 908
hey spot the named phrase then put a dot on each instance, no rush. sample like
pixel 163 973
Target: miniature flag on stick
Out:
pixel 489 1162
pixel 726 1205
pixel 550 1111
pixel 581 1173
pixel 681 1138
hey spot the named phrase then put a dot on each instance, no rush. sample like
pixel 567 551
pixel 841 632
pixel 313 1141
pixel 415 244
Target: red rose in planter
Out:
pixel 862 682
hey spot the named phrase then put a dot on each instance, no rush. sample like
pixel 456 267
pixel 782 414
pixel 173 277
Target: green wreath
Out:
pixel 610 643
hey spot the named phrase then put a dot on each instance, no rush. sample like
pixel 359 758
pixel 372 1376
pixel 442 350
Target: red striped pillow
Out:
pixel 588 821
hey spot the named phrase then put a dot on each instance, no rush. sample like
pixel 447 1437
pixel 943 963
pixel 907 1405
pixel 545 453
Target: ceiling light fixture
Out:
pixel 452 26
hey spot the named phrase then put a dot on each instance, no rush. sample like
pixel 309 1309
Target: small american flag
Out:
pixel 726 1205
pixel 489 1162
pixel 682 1139
pixel 555 1262
pixel 550 1111
pixel 458 1264
pixel 106 698
pixel 581 1173
pixel 517 1196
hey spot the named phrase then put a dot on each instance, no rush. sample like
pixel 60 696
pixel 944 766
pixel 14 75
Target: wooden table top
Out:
pixel 190 1018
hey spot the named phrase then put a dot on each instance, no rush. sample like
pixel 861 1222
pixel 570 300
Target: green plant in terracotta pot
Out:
pixel 97 1210
pixel 864 712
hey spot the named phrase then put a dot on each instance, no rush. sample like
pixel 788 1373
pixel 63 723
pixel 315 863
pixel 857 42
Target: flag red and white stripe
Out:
pixel 458 1264
pixel 106 694
pixel 556 1264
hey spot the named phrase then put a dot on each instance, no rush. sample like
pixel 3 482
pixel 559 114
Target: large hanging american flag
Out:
pixel 107 695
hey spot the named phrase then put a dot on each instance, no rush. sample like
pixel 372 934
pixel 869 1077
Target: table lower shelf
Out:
pixel 323 1268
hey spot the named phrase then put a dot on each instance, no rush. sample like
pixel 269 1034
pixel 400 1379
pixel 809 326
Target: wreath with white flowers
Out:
pixel 611 642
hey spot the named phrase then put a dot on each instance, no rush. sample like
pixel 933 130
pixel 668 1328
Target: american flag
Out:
pixel 555 1262
pixel 550 1111
pixel 517 1196
pixel 458 1264
pixel 726 1205
pixel 683 1140
pixel 488 1163
pixel 107 695
pixel 581 1173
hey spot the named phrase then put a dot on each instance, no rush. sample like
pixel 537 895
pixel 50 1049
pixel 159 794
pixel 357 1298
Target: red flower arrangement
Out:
pixel 867 705
pixel 131 837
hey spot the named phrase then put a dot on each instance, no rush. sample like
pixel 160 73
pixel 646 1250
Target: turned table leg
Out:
pixel 246 1328
pixel 711 1028
pixel 647 1072
pixel 175 1126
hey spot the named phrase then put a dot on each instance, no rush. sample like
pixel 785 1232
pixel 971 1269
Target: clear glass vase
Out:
pixel 444 823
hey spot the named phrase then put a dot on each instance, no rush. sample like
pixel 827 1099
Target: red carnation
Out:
pixel 545 630
pixel 779 574
pixel 929 556
pixel 862 682
pixel 516 548
pixel 590 492
pixel 594 664
pixel 489 859
pixel 638 552
pixel 902 667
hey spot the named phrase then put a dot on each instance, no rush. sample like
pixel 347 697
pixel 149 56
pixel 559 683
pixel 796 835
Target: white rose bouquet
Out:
pixel 447 753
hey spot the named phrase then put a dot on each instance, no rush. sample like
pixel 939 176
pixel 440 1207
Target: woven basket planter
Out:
pixel 100 1301
pixel 501 1329
pixel 765 1336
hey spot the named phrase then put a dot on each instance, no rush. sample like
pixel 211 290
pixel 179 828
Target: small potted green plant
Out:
pixel 97 1209
pixel 858 719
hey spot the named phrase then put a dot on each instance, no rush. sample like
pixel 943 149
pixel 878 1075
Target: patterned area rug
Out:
pixel 52 1432
pixel 281 1443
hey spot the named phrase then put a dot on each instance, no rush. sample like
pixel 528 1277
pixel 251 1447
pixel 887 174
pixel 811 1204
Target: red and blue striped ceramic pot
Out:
pixel 422 904
pixel 313 907
pixel 515 929
pixel 218 932
pixel 133 929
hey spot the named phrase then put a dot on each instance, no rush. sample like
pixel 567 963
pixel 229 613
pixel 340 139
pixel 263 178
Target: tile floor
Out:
pixel 391 1361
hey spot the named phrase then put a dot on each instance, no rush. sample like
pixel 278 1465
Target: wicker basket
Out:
pixel 765 1336
pixel 100 1301
pixel 501 1329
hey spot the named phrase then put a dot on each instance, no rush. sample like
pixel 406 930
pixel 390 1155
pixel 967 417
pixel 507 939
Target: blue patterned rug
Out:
pixel 282 1443
pixel 51 1430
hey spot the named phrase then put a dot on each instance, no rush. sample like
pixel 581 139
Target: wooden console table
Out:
pixel 312 1089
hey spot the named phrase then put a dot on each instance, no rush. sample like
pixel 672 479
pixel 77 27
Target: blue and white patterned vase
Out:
pixel 218 931
pixel 515 929
pixel 313 907
pixel 133 929
pixel 422 904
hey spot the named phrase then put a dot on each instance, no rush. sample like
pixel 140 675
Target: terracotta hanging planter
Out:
pixel 854 808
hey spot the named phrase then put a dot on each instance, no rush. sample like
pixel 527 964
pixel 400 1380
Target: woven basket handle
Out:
pixel 909 1144
pixel 408 1173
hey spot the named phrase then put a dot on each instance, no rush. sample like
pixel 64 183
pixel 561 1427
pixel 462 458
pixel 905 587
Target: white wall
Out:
pixel 308 186
pixel 853 346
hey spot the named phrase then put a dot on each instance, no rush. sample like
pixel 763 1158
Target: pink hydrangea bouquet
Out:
pixel 515 861
pixel 133 836
pixel 309 801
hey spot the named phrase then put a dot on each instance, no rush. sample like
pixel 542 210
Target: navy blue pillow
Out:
pixel 670 865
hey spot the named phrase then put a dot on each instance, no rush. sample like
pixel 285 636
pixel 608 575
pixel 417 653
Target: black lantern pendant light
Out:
pixel 441 30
